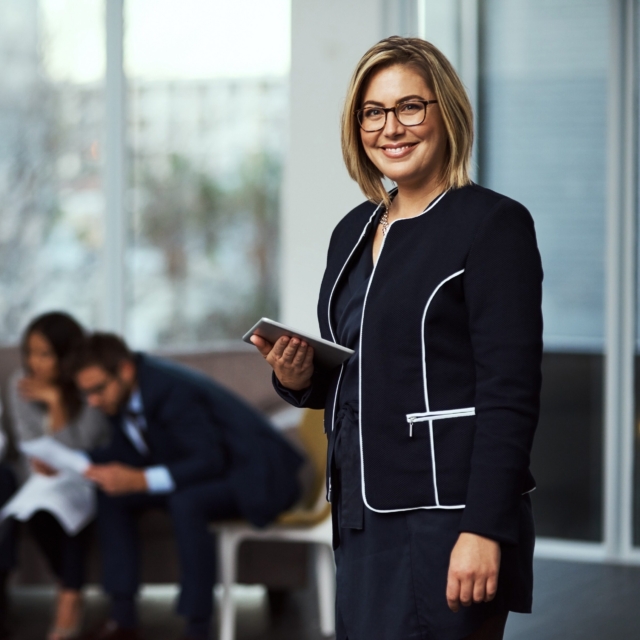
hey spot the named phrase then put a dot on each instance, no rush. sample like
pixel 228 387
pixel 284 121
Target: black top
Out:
pixel 347 316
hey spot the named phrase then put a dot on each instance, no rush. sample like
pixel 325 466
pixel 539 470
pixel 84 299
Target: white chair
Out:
pixel 310 522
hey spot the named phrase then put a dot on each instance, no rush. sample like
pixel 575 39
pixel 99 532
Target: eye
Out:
pixel 410 107
pixel 372 112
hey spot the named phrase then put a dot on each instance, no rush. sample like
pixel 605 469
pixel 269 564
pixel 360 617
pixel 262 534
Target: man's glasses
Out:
pixel 409 114
pixel 96 390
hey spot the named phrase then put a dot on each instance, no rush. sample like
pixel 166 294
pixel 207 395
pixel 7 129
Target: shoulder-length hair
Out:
pixel 454 104
pixel 64 334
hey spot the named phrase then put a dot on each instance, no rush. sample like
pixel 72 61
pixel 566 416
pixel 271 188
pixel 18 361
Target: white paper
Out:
pixel 70 498
pixel 56 455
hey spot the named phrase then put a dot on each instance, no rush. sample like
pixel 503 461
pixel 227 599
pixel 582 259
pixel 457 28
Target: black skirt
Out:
pixel 392 577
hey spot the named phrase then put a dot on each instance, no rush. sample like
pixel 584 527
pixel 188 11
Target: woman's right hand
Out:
pixel 34 390
pixel 291 359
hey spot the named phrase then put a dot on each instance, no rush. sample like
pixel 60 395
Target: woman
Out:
pixel 437 288
pixel 44 401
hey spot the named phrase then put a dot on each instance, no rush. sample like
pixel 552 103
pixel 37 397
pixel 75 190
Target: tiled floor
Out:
pixel 572 601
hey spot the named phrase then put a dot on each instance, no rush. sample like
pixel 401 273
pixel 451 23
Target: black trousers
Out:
pixel 191 510
pixel 8 487
pixel 65 554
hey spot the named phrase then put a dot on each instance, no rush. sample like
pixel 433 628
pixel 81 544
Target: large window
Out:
pixel 204 133
pixel 543 136
pixel 51 200
pixel 207 123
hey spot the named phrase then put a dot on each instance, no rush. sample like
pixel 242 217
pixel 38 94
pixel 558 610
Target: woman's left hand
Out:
pixel 473 571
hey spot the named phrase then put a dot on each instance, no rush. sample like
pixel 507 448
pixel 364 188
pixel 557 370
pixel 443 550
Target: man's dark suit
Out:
pixel 225 460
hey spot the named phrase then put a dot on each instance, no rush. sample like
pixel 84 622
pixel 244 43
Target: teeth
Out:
pixel 397 150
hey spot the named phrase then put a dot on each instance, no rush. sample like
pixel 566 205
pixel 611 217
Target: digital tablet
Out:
pixel 326 353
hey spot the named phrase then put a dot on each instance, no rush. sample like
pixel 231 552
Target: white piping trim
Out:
pixel 424 345
pixel 439 415
pixel 335 397
pixel 333 337
pixel 364 304
pixel 430 416
pixel 355 246
pixel 433 463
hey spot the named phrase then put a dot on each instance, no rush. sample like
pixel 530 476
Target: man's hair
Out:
pixel 105 350
pixel 453 102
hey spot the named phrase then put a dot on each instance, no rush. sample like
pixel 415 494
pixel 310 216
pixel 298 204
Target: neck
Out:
pixel 411 201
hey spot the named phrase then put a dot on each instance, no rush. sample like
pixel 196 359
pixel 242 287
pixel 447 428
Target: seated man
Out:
pixel 183 443
pixel 7 539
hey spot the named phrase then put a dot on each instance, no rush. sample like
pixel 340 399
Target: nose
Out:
pixel 393 126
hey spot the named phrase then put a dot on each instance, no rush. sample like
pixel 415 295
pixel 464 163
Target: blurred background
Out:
pixel 172 172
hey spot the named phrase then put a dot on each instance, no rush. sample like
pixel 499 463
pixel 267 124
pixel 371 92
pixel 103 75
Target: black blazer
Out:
pixel 201 432
pixel 450 354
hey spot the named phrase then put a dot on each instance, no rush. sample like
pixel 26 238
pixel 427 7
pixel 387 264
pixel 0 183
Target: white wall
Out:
pixel 328 39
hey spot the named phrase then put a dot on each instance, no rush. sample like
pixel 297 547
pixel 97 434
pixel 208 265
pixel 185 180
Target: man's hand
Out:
pixel 117 479
pixel 473 571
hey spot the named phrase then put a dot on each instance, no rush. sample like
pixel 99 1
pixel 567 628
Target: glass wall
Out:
pixel 51 124
pixel 543 88
pixel 207 116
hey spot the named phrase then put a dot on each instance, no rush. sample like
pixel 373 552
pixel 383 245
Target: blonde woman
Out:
pixel 436 286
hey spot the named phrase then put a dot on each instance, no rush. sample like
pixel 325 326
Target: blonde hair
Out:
pixel 453 102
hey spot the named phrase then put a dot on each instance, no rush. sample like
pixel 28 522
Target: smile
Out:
pixel 398 151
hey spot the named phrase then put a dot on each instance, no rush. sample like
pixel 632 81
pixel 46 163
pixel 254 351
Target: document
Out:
pixel 55 454
pixel 70 498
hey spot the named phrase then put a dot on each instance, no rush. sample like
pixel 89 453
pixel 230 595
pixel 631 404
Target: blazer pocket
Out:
pixel 451 434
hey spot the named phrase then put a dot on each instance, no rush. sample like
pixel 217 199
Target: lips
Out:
pixel 399 150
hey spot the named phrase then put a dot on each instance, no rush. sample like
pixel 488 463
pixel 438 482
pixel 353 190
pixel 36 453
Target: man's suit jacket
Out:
pixel 202 432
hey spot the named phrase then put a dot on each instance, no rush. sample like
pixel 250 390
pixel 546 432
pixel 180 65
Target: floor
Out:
pixel 572 600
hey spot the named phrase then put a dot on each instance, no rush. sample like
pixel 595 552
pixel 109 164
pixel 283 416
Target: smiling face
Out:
pixel 413 157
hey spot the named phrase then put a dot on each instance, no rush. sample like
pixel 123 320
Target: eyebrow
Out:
pixel 405 99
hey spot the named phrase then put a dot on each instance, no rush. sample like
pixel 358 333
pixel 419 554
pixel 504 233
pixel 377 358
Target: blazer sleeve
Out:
pixel 314 397
pixel 503 291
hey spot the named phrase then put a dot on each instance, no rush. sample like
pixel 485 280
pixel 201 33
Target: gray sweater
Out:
pixel 88 430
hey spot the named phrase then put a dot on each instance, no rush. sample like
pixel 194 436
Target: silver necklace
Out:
pixel 384 222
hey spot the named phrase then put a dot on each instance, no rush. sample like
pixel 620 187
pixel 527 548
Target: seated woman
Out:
pixel 43 401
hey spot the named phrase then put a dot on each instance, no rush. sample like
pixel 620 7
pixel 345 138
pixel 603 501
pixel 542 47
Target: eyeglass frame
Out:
pixel 386 110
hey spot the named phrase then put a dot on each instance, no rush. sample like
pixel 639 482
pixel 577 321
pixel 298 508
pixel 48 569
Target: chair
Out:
pixel 309 522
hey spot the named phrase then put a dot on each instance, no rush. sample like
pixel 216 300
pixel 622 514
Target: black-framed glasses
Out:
pixel 409 114
pixel 98 389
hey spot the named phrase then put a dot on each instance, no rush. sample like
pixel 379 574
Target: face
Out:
pixel 411 156
pixel 105 391
pixel 41 359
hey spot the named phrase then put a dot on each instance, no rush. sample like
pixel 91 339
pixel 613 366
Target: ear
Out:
pixel 128 371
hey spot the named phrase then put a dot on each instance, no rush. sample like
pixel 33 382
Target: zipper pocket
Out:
pixel 428 416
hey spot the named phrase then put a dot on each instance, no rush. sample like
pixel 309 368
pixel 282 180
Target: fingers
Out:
pixel 479 591
pixel 453 593
pixel 263 346
pixel 491 589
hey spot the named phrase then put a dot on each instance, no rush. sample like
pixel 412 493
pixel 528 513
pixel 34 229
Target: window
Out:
pixel 207 121
pixel 543 135
pixel 51 121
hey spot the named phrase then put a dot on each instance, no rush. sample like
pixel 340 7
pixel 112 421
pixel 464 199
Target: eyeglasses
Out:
pixel 98 389
pixel 409 114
